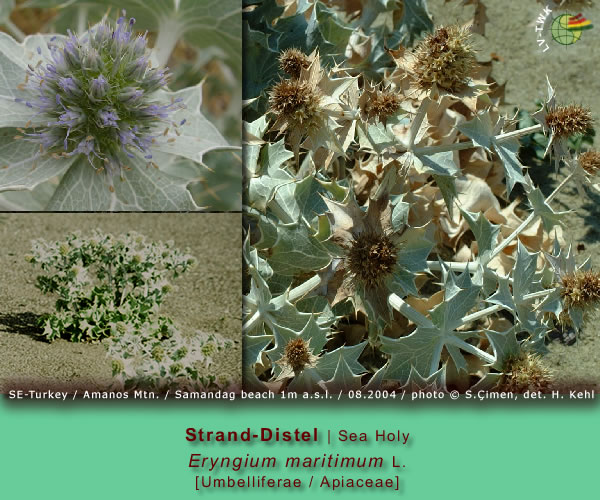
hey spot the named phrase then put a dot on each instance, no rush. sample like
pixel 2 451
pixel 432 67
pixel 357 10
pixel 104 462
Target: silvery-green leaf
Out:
pixel 299 199
pixel 253 347
pixel 218 187
pixel 267 226
pixel 214 184
pixel 27 201
pixel 375 137
pixel 14 58
pixel 296 251
pixel 505 345
pixel 376 380
pixel 526 280
pixel 487 383
pixel 552 303
pixel 437 164
pixel 273 156
pixel 142 188
pixel 414 245
pixel 263 70
pixel 255 129
pixel 400 214
pixel 524 274
pixel 262 189
pixel 503 296
pixel 576 315
pixel 308 380
pixel 415 21
pixel 513 170
pixel 274 312
pixel 254 261
pixel 485 233
pixel 344 379
pixel 550 218
pixel 198 135
pixel 480 130
pixel 22 166
pixel 327 364
pixel 423 348
pixel 317 304
pixel 435 382
pixel 331 27
pixel 251 381
pixel 448 190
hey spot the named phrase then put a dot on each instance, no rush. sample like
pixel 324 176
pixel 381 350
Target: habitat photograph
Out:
pixel 120 105
pixel 118 302
pixel 421 195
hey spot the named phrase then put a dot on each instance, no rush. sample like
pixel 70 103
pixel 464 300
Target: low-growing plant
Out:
pixel 387 246
pixel 158 355
pixel 112 287
pixel 103 280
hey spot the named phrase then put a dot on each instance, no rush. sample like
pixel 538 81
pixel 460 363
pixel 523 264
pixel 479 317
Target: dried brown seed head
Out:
pixel 590 162
pixel 445 58
pixel 565 121
pixel 371 258
pixel 295 101
pixel 382 103
pixel 293 61
pixel 525 373
pixel 297 354
pixel 581 289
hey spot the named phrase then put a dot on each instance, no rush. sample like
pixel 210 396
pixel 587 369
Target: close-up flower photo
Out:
pixel 120 105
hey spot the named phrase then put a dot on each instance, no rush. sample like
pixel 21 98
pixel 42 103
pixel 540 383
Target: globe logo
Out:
pixel 566 29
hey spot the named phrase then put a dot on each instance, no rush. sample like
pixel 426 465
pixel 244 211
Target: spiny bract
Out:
pixel 96 92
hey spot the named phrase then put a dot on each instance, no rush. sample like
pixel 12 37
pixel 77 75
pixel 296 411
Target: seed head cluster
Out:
pixel 295 101
pixel 445 58
pixel 293 61
pixel 565 121
pixel 382 103
pixel 581 289
pixel 590 162
pixel 525 373
pixel 371 258
pixel 95 94
pixel 297 354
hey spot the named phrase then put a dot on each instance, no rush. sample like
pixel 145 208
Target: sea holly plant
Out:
pixel 89 123
pixel 111 288
pixel 394 238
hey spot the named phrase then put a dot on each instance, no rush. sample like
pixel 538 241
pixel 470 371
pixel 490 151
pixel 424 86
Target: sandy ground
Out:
pixel 207 298
pixel 573 72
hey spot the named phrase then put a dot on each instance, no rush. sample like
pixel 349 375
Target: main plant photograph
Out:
pixel 420 195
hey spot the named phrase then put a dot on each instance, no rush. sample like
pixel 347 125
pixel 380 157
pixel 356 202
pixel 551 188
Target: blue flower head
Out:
pixel 96 92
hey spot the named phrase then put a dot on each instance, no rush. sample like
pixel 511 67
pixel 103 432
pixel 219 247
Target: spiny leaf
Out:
pixel 480 129
pixel 344 379
pixel 143 188
pixel 485 233
pixel 513 170
pixel 435 382
pixel 549 217
pixel 297 251
pixel 327 363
